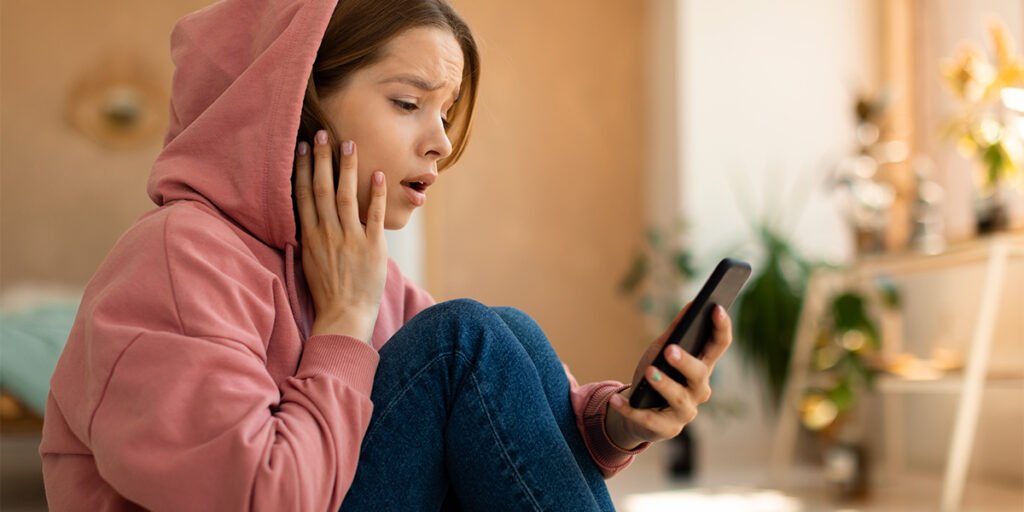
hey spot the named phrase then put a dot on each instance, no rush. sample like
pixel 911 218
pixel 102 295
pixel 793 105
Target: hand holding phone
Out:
pixel 695 328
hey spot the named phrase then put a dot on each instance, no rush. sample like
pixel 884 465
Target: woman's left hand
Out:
pixel 628 427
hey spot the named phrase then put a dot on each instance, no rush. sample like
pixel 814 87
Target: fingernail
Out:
pixel 720 311
pixel 617 400
pixel 656 376
pixel 321 137
pixel 346 147
pixel 303 148
pixel 378 177
pixel 674 352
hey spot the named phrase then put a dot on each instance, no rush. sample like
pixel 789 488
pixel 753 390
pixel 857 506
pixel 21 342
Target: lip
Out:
pixel 418 198
pixel 427 179
pixel 415 197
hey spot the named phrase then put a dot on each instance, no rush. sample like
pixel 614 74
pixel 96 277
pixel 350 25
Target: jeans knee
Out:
pixel 463 309
pixel 459 314
pixel 455 316
pixel 526 330
pixel 518 320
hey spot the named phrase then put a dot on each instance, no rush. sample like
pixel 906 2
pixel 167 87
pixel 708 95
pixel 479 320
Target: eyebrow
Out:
pixel 421 84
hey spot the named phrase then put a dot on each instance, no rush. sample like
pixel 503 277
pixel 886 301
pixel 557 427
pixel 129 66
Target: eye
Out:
pixel 405 105
pixel 412 107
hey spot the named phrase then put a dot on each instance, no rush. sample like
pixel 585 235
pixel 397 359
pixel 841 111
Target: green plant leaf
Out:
pixel 673 308
pixel 997 161
pixel 850 314
pixel 683 260
pixel 654 238
pixel 646 304
pixel 637 272
pixel 767 313
pixel 890 292
pixel 848 311
pixel 861 370
pixel 842 395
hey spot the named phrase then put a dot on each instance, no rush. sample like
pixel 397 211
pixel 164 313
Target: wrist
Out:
pixel 353 323
pixel 618 432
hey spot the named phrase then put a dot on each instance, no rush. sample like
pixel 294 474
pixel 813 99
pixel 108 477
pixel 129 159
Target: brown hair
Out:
pixel 355 38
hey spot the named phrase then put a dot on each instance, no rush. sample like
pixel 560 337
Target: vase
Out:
pixel 682 462
pixel 845 470
pixel 993 209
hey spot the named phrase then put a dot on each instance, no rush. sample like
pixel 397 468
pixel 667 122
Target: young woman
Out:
pixel 204 373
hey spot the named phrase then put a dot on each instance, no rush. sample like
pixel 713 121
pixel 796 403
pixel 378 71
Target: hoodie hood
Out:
pixel 241 69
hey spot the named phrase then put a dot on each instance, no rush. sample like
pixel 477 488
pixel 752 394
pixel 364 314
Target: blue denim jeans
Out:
pixel 472 412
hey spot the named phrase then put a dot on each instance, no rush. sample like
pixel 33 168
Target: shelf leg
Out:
pixel 974 380
pixel 892 419
pixel 787 426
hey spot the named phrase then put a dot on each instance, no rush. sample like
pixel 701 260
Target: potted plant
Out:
pixel 767 310
pixel 981 129
pixel 843 367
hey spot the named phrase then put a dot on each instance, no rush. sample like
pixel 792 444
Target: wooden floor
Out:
pixel 21 481
pixel 645 487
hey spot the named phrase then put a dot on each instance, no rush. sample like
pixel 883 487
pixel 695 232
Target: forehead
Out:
pixel 429 53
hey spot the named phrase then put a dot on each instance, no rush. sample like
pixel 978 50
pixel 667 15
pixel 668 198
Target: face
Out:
pixel 396 112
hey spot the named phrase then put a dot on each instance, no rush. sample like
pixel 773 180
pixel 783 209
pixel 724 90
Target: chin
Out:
pixel 395 223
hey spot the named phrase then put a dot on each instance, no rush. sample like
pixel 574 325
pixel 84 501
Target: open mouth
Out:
pixel 415 185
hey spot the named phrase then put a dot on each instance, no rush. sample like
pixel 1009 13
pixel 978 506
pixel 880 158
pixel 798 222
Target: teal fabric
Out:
pixel 31 341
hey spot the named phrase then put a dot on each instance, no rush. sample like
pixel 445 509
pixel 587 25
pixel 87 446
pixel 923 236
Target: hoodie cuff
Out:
pixel 605 452
pixel 347 358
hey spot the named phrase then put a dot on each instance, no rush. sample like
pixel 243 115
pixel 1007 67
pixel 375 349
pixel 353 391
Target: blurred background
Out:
pixel 864 155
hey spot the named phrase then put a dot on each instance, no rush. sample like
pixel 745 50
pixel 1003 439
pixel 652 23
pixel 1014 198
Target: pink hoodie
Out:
pixel 189 380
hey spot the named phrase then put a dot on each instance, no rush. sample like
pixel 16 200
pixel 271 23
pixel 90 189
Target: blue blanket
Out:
pixel 31 341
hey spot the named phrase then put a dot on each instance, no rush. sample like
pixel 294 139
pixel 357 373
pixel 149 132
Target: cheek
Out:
pixel 382 140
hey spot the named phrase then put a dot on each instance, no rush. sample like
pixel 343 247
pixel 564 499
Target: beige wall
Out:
pixel 544 209
pixel 64 199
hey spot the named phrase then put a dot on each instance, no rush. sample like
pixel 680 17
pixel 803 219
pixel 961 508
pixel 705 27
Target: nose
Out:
pixel 436 145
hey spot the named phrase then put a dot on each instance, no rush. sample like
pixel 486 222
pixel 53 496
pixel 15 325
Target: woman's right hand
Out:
pixel 345 264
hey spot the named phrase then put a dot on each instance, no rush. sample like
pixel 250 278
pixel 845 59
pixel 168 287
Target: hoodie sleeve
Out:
pixel 589 401
pixel 189 417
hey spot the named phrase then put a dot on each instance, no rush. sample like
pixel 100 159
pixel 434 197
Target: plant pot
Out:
pixel 682 461
pixel 845 470
pixel 993 209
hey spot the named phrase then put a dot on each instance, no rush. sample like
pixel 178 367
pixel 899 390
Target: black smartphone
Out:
pixel 695 329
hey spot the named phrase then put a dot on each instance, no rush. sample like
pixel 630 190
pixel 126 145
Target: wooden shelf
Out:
pixel 974 251
pixel 947 384
pixel 994 254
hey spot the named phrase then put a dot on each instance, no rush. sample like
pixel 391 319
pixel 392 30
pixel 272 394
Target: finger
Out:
pixel 348 186
pixel 323 181
pixel 378 206
pixel 304 189
pixel 696 371
pixel 679 397
pixel 722 337
pixel 651 420
pixel 657 345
